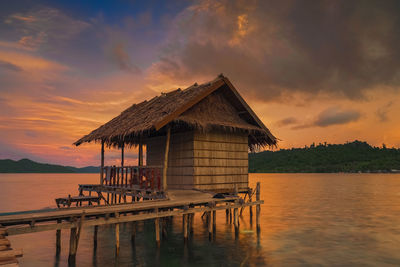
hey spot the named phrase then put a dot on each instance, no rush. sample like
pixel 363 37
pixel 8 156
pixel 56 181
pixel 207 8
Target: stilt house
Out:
pixel 197 138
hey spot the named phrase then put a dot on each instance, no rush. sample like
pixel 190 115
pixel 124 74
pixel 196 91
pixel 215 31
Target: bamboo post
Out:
pixel 102 163
pixel 116 236
pixel 58 239
pixel 165 186
pixel 258 208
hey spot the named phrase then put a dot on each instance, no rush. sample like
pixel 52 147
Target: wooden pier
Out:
pixel 185 203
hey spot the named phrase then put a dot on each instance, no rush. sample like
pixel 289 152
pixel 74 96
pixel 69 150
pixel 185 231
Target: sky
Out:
pixel 313 71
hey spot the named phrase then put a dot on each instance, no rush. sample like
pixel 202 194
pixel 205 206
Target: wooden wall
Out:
pixel 208 161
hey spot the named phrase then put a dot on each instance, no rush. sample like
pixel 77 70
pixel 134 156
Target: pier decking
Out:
pixel 185 203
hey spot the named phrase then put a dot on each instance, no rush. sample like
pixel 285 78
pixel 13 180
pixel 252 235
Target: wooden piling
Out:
pixel 191 223
pixel 185 227
pixel 157 226
pixel 258 208
pixel 58 239
pixel 210 224
pixel 251 207
pixel 236 221
pixel 116 236
pixel 72 245
pixel 133 234
pixel 214 220
pixel 96 229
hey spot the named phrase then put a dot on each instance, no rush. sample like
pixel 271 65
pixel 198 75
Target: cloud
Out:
pixel 273 49
pixel 286 122
pixel 40 26
pixel 331 116
pixel 121 58
pixel 382 112
pixel 9 66
pixel 335 115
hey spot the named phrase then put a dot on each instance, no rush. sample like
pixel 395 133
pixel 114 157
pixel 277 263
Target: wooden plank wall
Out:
pixel 180 158
pixel 220 160
pixel 208 161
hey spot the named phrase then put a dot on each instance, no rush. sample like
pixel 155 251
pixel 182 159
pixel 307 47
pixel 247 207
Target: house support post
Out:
pixel 102 163
pixel 165 186
pixel 122 161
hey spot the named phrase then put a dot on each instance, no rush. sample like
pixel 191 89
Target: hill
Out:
pixel 29 166
pixel 350 157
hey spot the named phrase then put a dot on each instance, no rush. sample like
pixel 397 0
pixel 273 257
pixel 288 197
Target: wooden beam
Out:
pixel 129 218
pixel 188 105
pixel 165 186
pixel 11 253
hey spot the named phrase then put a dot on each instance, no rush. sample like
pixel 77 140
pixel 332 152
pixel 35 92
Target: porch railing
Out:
pixel 145 177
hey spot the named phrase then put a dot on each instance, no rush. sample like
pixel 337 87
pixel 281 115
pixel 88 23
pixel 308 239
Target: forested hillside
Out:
pixel 350 157
pixel 29 166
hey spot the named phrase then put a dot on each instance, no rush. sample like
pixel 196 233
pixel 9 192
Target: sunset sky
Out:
pixel 314 71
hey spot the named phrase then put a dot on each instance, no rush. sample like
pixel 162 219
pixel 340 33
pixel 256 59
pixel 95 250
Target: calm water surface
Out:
pixel 307 219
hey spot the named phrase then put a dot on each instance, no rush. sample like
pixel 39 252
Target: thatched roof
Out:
pixel 212 105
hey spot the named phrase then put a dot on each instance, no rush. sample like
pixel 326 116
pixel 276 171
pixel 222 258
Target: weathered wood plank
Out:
pixel 121 219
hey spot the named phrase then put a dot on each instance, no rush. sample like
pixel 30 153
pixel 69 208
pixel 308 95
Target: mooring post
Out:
pixel 58 239
pixel 258 208
pixel 116 236
pixel 230 216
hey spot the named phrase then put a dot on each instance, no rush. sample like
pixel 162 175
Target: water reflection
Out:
pixel 307 219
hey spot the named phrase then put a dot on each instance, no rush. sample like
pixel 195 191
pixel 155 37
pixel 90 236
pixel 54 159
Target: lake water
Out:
pixel 307 219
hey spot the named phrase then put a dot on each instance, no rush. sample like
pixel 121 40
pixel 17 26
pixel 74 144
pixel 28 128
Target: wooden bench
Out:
pixel 67 201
